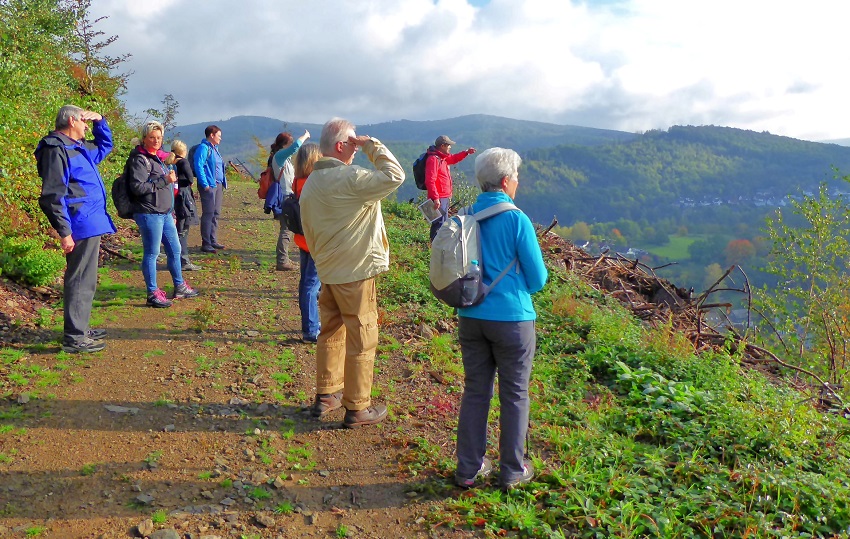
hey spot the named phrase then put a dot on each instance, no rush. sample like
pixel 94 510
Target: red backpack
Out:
pixel 266 179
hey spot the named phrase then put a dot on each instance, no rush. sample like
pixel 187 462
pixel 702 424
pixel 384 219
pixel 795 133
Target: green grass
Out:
pixel 676 248
pixel 633 434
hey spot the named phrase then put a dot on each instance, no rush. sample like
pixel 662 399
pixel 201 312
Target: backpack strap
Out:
pixel 486 213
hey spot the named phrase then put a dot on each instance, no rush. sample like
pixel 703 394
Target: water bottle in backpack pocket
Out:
pixel 471 283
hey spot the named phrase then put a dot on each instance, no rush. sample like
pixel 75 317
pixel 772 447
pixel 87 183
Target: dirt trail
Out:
pixel 197 412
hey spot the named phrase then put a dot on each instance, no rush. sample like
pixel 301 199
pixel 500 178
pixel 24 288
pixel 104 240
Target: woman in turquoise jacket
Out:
pixel 498 335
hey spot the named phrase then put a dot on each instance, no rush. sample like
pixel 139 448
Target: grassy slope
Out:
pixel 635 435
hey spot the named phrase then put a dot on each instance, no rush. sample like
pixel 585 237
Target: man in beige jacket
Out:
pixel 344 228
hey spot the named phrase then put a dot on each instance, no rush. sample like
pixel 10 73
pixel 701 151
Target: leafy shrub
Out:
pixel 26 260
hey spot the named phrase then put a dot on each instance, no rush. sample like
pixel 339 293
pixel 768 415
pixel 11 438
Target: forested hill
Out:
pixel 668 172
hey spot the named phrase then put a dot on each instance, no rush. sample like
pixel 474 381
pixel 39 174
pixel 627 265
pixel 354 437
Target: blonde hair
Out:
pixel 151 126
pixel 306 157
pixel 178 147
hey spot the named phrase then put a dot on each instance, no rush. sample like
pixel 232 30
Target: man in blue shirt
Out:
pixel 209 168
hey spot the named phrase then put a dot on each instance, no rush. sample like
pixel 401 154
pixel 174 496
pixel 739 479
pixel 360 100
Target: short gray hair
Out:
pixel 494 164
pixel 335 130
pixel 151 126
pixel 63 117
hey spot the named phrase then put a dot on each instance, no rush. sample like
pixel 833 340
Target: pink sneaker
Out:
pixel 158 299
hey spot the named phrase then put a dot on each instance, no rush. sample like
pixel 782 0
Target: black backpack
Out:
pixel 121 197
pixel 419 171
pixel 191 158
pixel 291 212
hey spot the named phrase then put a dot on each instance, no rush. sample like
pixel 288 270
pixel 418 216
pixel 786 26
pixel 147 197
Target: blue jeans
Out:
pixel 308 295
pixel 157 228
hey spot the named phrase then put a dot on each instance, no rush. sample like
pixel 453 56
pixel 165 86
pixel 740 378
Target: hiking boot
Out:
pixel 285 266
pixel 96 334
pixel 184 291
pixel 367 416
pixel 191 267
pixel 309 339
pixel 206 249
pixel 527 475
pixel 483 471
pixel 83 346
pixel 158 299
pixel 326 403
pixel 217 245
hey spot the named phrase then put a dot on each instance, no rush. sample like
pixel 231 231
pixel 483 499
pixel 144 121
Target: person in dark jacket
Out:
pixel 438 177
pixel 184 201
pixel 151 189
pixel 73 198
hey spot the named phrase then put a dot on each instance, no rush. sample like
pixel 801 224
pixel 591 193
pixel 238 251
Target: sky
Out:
pixel 781 66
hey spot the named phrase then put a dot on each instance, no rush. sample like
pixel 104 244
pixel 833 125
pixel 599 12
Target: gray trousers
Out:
pixel 183 234
pixel 210 210
pixel 444 213
pixel 80 286
pixel 284 238
pixel 489 347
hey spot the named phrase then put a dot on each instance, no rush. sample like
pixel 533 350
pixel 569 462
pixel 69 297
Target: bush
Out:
pixel 26 260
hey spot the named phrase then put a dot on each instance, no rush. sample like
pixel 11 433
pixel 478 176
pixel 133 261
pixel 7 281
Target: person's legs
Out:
pixel 308 292
pixel 172 249
pixel 444 212
pixel 330 347
pixel 80 286
pixel 219 197
pixel 358 307
pixel 183 235
pixel 207 216
pixel 479 370
pixel 284 238
pixel 150 228
pixel 514 344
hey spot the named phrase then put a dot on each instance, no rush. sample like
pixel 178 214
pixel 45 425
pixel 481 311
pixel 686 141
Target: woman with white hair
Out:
pixel 151 188
pixel 498 334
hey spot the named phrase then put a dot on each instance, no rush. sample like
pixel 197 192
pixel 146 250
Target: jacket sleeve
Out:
pixel 202 154
pixel 184 172
pixel 375 185
pixel 457 157
pixel 138 173
pixel 53 168
pixel 432 167
pixel 102 141
pixel 283 154
pixel 530 256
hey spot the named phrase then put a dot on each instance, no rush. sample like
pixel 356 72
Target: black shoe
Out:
pixel 84 346
pixel 309 339
pixel 207 250
pixel 96 334
pixel 218 246
pixel 368 416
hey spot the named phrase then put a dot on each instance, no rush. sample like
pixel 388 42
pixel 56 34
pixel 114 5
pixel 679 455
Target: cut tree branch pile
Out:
pixel 657 301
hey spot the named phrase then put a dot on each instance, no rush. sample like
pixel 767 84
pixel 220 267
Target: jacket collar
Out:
pixel 328 162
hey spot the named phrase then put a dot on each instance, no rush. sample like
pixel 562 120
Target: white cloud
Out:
pixel 630 64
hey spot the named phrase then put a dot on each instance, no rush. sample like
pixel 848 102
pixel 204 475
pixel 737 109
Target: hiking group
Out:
pixel 332 208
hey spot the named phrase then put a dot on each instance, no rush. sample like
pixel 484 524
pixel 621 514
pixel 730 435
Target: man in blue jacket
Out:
pixel 209 168
pixel 73 198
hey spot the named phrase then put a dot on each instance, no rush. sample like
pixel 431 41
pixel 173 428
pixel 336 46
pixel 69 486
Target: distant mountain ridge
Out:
pixel 597 175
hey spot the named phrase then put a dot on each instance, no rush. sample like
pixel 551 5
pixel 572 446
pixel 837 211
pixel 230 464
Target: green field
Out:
pixel 676 248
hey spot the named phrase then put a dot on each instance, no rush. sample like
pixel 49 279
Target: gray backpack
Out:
pixel 455 246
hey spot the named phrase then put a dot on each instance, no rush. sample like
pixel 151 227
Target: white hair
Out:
pixel 494 164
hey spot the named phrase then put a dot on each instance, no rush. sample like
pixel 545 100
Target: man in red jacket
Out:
pixel 438 178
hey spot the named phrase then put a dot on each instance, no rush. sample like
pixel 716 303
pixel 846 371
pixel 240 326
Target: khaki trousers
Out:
pixel 345 352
